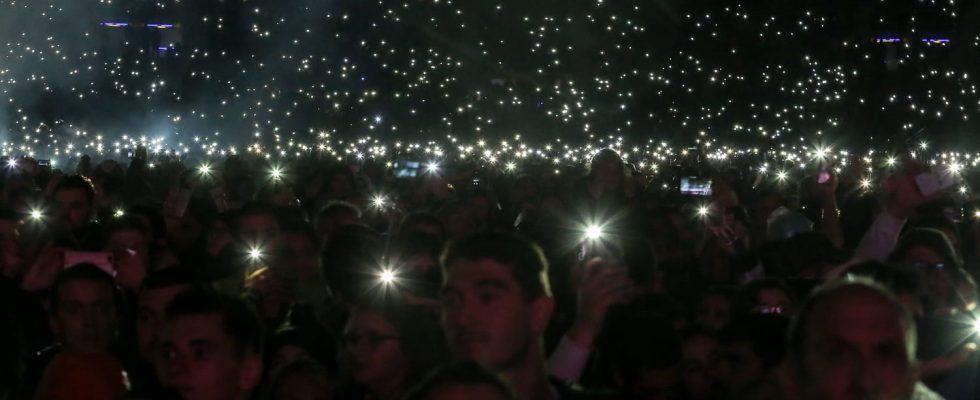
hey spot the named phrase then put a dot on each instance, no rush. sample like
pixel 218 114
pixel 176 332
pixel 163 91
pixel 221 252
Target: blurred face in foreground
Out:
pixel 855 348
pixel 85 320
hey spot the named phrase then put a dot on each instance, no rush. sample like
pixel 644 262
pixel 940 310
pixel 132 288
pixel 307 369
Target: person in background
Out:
pixel 302 379
pixel 389 345
pixel 158 290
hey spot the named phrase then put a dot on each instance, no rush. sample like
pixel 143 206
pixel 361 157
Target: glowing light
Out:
pixel 865 183
pixel 387 276
pixel 955 168
pixel 36 214
pixel 511 166
pixel 703 211
pixel 782 175
pixel 379 201
pixel 12 163
pixel 255 253
pixel 119 213
pixel 204 169
pixel 890 161
pixel 432 167
pixel 276 173
pixel 594 232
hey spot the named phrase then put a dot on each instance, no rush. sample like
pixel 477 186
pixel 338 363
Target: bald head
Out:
pixel 854 340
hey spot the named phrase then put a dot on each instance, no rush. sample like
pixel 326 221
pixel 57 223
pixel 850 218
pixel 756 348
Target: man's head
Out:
pixel 158 290
pixel 497 300
pixel 84 304
pixel 462 380
pixel 853 340
pixel 212 347
pixel 334 215
pixel 258 225
pixel 74 197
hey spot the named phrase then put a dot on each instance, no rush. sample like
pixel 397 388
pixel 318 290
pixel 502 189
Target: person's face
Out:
pixel 149 323
pixel 200 361
pixel 375 352
pixel 937 279
pixel 855 348
pixel 259 229
pixel 469 391
pixel 486 316
pixel 85 320
pixel 305 386
pixel 714 312
pixel 73 207
pixel 299 253
pixel 699 356
pixel 610 173
pixel 773 301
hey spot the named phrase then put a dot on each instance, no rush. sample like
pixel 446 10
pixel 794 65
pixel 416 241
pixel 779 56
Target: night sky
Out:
pixel 229 75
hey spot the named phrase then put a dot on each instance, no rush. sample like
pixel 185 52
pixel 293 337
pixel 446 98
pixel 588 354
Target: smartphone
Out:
pixel 694 186
pixel 937 180
pixel 101 259
pixel 407 169
pixel 476 181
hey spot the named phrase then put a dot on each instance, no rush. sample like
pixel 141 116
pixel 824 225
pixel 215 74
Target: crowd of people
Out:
pixel 319 280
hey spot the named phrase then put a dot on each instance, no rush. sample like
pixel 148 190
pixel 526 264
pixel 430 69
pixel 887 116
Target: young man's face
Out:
pixel 486 317
pixel 149 323
pixel 375 352
pixel 74 207
pixel 199 360
pixel 470 391
pixel 856 349
pixel 85 320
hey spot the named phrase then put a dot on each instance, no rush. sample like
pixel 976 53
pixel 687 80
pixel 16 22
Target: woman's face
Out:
pixel 933 265
pixel 374 350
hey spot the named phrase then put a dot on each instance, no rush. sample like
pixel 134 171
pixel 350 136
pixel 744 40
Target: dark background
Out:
pixel 287 70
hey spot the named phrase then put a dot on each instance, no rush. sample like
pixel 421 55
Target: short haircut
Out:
pixel 240 321
pixel 525 260
pixel 168 277
pixel 933 239
pixel 77 182
pixel 83 272
pixel 900 279
pixel 299 367
pixel 459 373
pixel 338 208
pixel 796 349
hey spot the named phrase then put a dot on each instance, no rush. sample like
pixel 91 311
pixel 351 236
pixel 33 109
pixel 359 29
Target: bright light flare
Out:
pixel 205 169
pixel 379 201
pixel 36 214
pixel 594 232
pixel 703 211
pixel 432 167
pixel 782 176
pixel 255 253
pixel 276 173
pixel 387 276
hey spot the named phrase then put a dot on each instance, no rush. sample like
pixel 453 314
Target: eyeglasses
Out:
pixel 371 339
pixel 928 266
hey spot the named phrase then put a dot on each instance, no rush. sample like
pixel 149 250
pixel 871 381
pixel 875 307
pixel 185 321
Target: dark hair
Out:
pixel 796 339
pixel 348 259
pixel 256 208
pixel 83 272
pixel 240 321
pixel 419 218
pixel 602 156
pixel 898 278
pixel 168 277
pixel 420 335
pixel 747 297
pixel 766 333
pixel 337 208
pixel 77 182
pixel 525 260
pixel 158 226
pixel 933 239
pixel 461 372
pixel 298 367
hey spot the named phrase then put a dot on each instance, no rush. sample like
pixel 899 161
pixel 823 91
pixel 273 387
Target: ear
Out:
pixel 541 309
pixel 251 373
